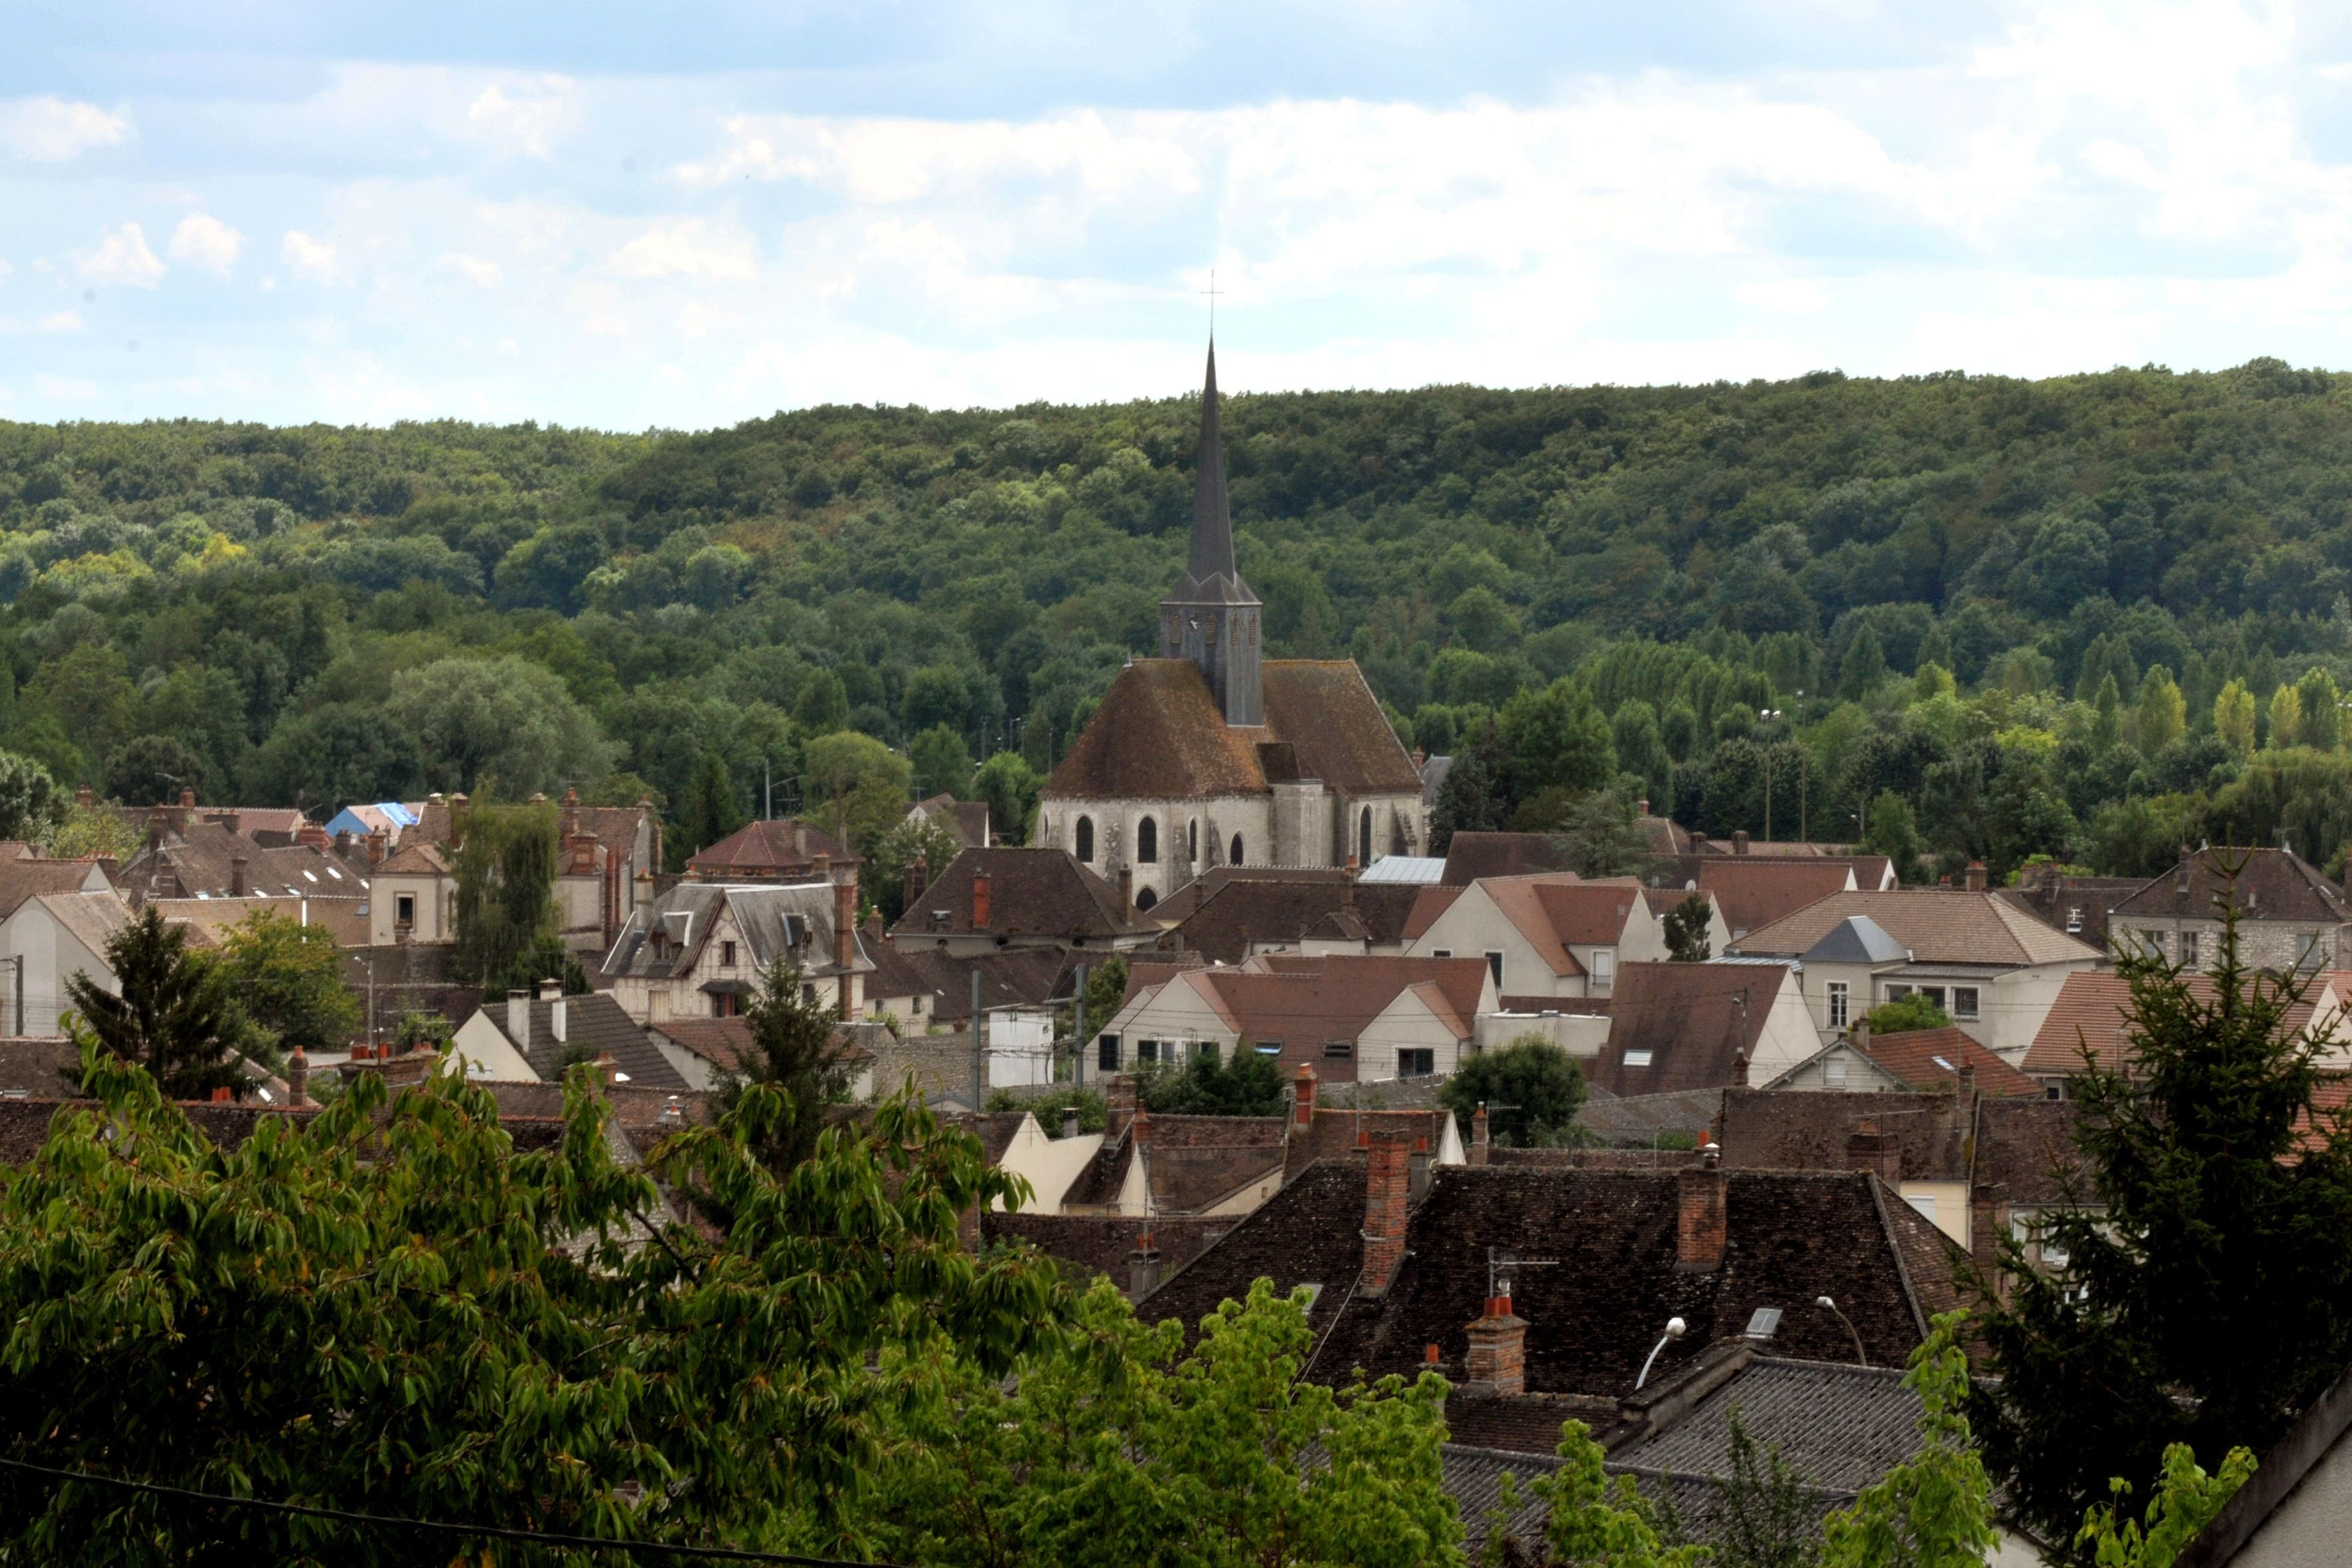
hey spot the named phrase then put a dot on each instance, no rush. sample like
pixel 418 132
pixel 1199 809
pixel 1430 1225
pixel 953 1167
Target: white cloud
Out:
pixel 53 129
pixel 203 241
pixel 479 270
pixel 691 248
pixel 61 321
pixel 123 257
pixel 309 258
pixel 530 120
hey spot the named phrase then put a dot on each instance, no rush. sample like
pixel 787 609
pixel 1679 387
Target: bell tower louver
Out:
pixel 1212 618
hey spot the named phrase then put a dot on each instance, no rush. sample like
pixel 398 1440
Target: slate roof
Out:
pixel 1033 892
pixel 1857 939
pixel 1470 856
pixel 1090 1245
pixel 1938 925
pixel 594 1025
pixel 1015 977
pixel 784 847
pixel 2272 885
pixel 792 921
pixel 1230 907
pixel 1696 1021
pixel 1791 1237
pixel 1841 1425
pixel 1931 1058
pixel 204 862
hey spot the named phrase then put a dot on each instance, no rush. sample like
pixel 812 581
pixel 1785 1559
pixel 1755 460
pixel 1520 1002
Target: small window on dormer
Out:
pixel 727 955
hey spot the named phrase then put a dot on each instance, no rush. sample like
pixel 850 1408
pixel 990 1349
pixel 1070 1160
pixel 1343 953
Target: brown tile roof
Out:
pixel 1931 1058
pixel 2024 1146
pixel 22 879
pixel 1696 1021
pixel 94 918
pixel 634 1105
pixel 1015 977
pixel 1230 910
pixel 2093 1009
pixel 415 857
pixel 2272 885
pixel 1938 925
pixel 1791 1237
pixel 781 848
pixel 594 1025
pixel 1327 712
pixel 1470 856
pixel 1034 892
pixel 1753 892
pixel 1337 1132
pixel 2054 900
pixel 1428 904
pixel 205 860
pixel 1552 910
pixel 1159 733
pixel 1091 1244
pixel 721 1042
pixel 967 819
pixel 344 917
pixel 1190 1162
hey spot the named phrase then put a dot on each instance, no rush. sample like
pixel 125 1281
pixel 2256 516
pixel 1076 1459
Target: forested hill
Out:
pixel 282 607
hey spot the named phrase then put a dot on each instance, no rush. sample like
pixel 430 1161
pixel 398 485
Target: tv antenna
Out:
pixel 1500 1263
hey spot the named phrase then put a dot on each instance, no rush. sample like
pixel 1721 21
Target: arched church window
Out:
pixel 1364 838
pixel 1145 898
pixel 1086 839
pixel 1193 840
pixel 1147 842
pixel 1235 858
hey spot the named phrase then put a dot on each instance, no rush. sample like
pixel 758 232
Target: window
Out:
pixel 1441 953
pixel 2189 948
pixel 1338 1048
pixel 1235 858
pixel 1934 993
pixel 1416 1063
pixel 1896 993
pixel 1840 1004
pixel 2153 941
pixel 1640 1058
pixel 1925 1202
pixel 1192 839
pixel 1964 1001
pixel 404 909
pixel 1364 838
pixel 1494 963
pixel 1604 970
pixel 1106 1053
pixel 726 955
pixel 1147 842
pixel 1146 1050
pixel 1087 840
pixel 1144 899
pixel 1833 1072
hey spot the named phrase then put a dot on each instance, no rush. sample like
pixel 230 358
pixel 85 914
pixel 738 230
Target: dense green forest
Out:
pixel 2091 617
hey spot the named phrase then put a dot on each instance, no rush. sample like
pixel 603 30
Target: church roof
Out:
pixel 1159 735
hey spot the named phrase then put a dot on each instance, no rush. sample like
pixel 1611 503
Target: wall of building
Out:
pixel 1475 927
pixel 488 1053
pixel 436 908
pixel 1581 1034
pixel 52 955
pixel 1406 1023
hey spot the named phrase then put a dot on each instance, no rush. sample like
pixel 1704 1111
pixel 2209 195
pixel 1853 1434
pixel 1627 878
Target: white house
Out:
pixel 1551 934
pixel 58 936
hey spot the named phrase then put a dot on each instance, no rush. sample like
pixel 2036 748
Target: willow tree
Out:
pixel 509 931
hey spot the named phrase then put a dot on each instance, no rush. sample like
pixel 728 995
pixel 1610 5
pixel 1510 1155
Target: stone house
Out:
pixel 2290 918
pixel 1010 899
pixel 702 948
pixel 1548 935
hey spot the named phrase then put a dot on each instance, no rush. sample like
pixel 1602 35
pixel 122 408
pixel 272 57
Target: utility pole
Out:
pixel 18 963
pixel 979 1053
pixel 1078 1035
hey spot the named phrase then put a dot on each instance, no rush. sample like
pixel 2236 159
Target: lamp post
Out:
pixel 1768 715
pixel 1859 1353
pixel 1674 1327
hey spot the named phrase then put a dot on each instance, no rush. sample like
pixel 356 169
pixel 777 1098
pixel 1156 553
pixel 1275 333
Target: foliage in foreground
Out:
pixel 1248 1085
pixel 386 1308
pixel 2186 1500
pixel 1933 1510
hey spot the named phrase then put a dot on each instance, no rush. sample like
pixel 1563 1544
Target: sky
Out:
pixel 688 215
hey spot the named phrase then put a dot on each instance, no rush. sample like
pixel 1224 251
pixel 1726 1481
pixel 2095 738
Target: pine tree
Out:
pixel 1864 667
pixel 174 1015
pixel 712 811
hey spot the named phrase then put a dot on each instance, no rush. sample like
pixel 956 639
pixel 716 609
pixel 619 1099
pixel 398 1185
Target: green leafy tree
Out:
pixel 711 810
pixel 2186 1500
pixel 2208 1258
pixel 855 786
pixel 1471 799
pixel 1010 786
pixel 793 1051
pixel 1864 666
pixel 335 755
pixel 1051 1110
pixel 1248 1085
pixel 1531 1089
pixel 1555 738
pixel 30 806
pixel 1914 1011
pixel 1933 1510
pixel 503 725
pixel 90 832
pixel 544 1349
pixel 923 839
pixel 2287 717
pixel 942 762
pixel 1594 1518
pixel 175 1013
pixel 2323 719
pixel 1688 929
pixel 1118 1449
pixel 1893 832
pixel 153 768
pixel 2233 719
pixel 506 900
pixel 422 1031
pixel 288 977
pixel 1603 837
pixel 2163 712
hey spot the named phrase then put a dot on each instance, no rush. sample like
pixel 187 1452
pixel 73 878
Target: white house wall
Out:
pixel 1581 1034
pixel 1474 927
pixel 488 1053
pixel 1406 1024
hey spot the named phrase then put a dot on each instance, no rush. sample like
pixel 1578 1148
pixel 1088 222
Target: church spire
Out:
pixel 1213 522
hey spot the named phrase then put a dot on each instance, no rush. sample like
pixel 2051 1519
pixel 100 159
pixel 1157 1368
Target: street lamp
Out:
pixel 1859 1353
pixel 1768 715
pixel 1674 1327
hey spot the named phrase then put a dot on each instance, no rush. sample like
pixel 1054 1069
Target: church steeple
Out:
pixel 1212 618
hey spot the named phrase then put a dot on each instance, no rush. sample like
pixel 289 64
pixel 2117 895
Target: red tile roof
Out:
pixel 767 849
pixel 1931 1058
pixel 2091 1010
pixel 1754 892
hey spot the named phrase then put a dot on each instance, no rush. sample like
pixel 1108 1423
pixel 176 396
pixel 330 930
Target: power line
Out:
pixel 437 1527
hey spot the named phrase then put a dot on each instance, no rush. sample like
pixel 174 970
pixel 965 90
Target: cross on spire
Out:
pixel 1212 291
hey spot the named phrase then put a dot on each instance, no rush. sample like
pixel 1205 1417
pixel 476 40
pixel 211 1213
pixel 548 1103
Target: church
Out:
pixel 1213 754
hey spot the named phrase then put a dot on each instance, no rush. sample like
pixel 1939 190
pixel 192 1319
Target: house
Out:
pixel 702 947
pixel 1543 1292
pixel 2073 904
pixel 1211 754
pixel 213 859
pixel 967 819
pixel 1235 913
pixel 26 877
pixel 922 989
pixel 2290 918
pixel 1993 968
pixel 607 858
pixel 786 851
pixel 534 1038
pixel 1923 1059
pixel 413 897
pixel 1348 1017
pixel 271 826
pixel 705 1051
pixel 1004 898
pixel 2093 1013
pixel 48 940
pixel 1674 1026
pixel 390 818
pixel 1754 891
pixel 1547 936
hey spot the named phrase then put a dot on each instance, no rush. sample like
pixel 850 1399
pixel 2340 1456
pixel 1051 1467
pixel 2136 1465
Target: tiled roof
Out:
pixel 2091 1010
pixel 205 860
pixel 2024 1146
pixel 794 921
pixel 1428 904
pixel 1230 910
pixel 95 917
pixel 1634 1120
pixel 2056 900
pixel 40 1065
pixel 721 1042
pixel 415 858
pixel 1839 1425
pixel 1033 892
pixel 634 1105
pixel 2271 885
pixel 1693 1021
pixel 768 847
pixel 967 819
pixel 1753 891
pixel 1931 1058
pixel 1938 925
pixel 1462 982
pixel 594 1027
pixel 1337 1132
pixel 1470 856
pixel 1014 977
pixel 1159 733
pixel 1324 709
pixel 22 879
pixel 1091 1244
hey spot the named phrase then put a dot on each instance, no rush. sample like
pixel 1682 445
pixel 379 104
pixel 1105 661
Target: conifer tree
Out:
pixel 174 1015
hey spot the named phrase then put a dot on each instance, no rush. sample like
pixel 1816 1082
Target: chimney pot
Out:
pixel 557 1021
pixel 1142 1268
pixel 1699 1226
pixel 1070 1123
pixel 1976 877
pixel 1388 1180
pixel 298 1078
pixel 187 799
pixel 1481 1142
pixel 376 841
pixel 1739 842
pixel 519 1019
pixel 1302 1099
pixel 981 902
pixel 237 864
pixel 549 989
pixel 83 797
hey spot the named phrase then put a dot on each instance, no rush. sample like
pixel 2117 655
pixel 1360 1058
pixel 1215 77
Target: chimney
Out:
pixel 1641 806
pixel 845 933
pixel 187 800
pixel 1387 1185
pixel 297 1078
pixel 376 844
pixel 1119 1103
pixel 919 877
pixel 1739 1069
pixel 1698 1229
pixel 980 901
pixel 1739 842
pixel 342 841
pixel 1126 891
pixel 1139 1130
pixel 549 989
pixel 800 841
pixel 236 875
pixel 232 821
pixel 820 867
pixel 223 1095
pixel 607 1064
pixel 1142 1266
pixel 1070 1123
pixel 1417 1186
pixel 1347 884
pixel 519 1019
pixel 1302 1100
pixel 1868 1149
pixel 557 1023
pixel 157 825
pixel 1481 1143
pixel 458 804
pixel 1698 843
pixel 1498 1349
pixel 83 797
pixel 1974 878
pixel 1988 1220
pixel 1967 1097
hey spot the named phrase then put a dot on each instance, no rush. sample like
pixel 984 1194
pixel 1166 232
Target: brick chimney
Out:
pixel 1481 1142
pixel 1142 1268
pixel 1126 891
pixel 1987 1219
pixel 237 864
pixel 1302 1102
pixel 1348 885
pixel 1118 1106
pixel 376 841
pixel 159 826
pixel 982 901
pixel 519 1020
pixel 83 797
pixel 607 1065
pixel 1974 878
pixel 1497 1362
pixel 231 820
pixel 918 879
pixel 187 800
pixel 1868 1149
pixel 1388 1179
pixel 1966 1102
pixel 342 841
pixel 1739 842
pixel 1699 1226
